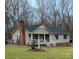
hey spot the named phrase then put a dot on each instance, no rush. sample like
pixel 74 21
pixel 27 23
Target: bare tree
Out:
pixel 12 15
pixel 53 13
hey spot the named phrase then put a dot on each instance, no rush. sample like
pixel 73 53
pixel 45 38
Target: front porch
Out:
pixel 39 38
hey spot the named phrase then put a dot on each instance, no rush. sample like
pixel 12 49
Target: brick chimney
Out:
pixel 22 32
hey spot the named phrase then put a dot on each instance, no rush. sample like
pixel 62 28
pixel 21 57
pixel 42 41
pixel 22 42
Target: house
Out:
pixel 42 35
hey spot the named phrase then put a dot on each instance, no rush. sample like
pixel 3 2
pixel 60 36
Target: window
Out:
pixel 56 35
pixel 35 36
pixel 29 36
pixel 41 38
pixel 47 37
pixel 65 36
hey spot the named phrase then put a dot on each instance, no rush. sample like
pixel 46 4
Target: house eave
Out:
pixel 60 33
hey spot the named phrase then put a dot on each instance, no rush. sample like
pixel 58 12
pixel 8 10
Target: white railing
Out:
pixel 36 41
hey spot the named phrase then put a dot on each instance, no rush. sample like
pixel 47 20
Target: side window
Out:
pixel 65 36
pixel 57 37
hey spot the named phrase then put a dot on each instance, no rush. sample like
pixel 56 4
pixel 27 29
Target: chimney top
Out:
pixel 21 19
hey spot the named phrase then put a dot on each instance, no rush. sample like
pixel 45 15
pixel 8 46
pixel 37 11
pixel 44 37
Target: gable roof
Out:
pixel 41 30
pixel 14 30
pixel 31 28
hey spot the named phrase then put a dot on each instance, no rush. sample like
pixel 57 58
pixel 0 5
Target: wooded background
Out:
pixel 52 13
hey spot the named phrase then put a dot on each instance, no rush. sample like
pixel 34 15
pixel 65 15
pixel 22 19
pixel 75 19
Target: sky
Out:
pixel 33 3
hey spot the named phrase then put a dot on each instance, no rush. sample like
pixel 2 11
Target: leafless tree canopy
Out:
pixel 53 13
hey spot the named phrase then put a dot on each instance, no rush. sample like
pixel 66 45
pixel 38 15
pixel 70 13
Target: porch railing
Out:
pixel 36 41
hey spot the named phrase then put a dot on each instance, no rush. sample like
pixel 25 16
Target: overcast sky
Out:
pixel 33 3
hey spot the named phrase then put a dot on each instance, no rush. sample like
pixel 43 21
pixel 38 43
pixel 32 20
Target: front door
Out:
pixel 41 38
pixel 47 38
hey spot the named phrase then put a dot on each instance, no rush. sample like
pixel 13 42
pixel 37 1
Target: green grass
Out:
pixel 22 52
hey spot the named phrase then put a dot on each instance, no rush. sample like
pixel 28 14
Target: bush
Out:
pixel 33 45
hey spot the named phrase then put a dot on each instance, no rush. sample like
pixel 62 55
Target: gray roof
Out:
pixel 31 28
pixel 56 30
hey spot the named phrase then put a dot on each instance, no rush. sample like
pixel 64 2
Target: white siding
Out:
pixel 15 36
pixel 60 39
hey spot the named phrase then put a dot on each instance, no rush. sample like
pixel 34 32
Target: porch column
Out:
pixel 44 38
pixel 31 38
pixel 38 42
pixel 49 40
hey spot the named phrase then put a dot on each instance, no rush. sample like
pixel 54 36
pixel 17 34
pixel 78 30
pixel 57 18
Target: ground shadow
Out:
pixel 37 50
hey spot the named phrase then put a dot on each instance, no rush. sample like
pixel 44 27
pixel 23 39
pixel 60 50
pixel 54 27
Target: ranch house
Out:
pixel 40 34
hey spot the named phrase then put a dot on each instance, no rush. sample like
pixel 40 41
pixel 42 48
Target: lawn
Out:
pixel 23 52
